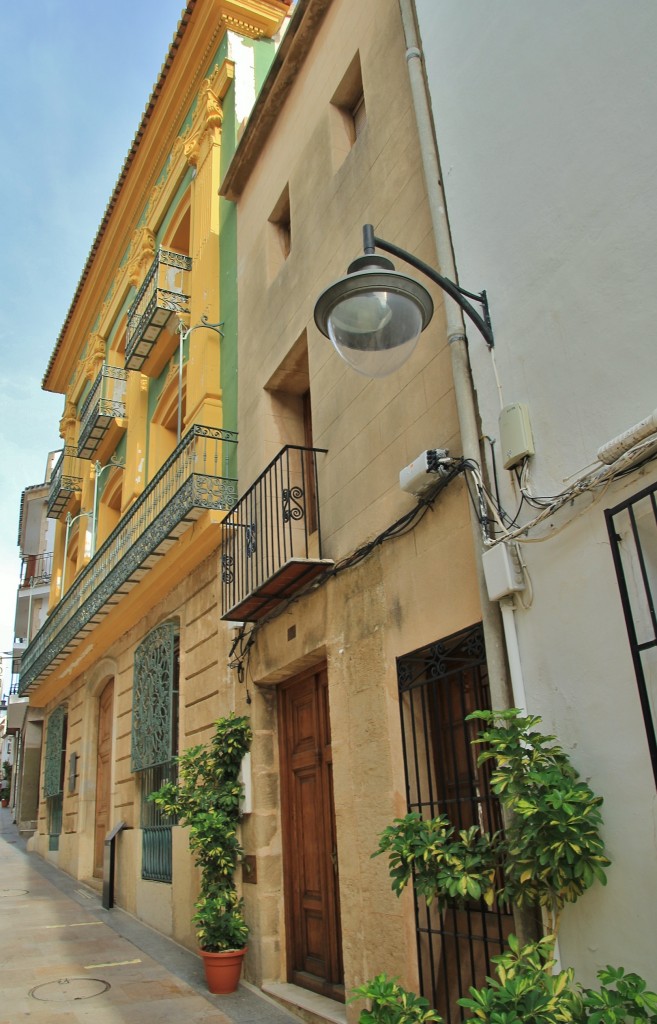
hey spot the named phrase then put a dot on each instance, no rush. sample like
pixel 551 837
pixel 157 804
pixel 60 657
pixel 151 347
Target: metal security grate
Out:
pixel 439 685
pixel 632 528
pixel 156 846
pixel 155 741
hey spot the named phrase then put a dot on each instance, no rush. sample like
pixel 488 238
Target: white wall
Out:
pixel 545 121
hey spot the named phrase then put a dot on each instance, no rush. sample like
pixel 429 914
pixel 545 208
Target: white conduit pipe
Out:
pixel 513 653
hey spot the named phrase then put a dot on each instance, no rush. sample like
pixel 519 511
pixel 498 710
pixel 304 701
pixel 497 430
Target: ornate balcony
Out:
pixel 271 539
pixel 164 293
pixel 36 570
pixel 65 484
pixel 188 483
pixel 104 404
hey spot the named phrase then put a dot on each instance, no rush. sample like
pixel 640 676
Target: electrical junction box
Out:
pixel 502 571
pixel 424 472
pixel 516 440
pixel 246 779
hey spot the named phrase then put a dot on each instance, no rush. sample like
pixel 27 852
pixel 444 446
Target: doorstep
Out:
pixel 311 1006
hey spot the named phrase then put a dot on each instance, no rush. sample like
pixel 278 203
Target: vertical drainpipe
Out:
pixel 463 387
pixel 526 924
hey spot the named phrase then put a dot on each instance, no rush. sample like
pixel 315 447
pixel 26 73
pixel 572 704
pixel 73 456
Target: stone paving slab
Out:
pixel 66 960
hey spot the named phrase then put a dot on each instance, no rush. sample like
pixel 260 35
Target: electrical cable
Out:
pixel 240 659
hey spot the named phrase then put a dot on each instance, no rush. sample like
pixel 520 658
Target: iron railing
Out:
pixel 66 480
pixel 632 527
pixel 165 291
pixel 104 403
pixel 189 480
pixel 439 685
pixel 269 528
pixel 36 569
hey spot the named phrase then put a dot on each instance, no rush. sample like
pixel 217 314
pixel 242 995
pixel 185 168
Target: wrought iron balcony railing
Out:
pixel 271 539
pixel 65 483
pixel 104 403
pixel 164 292
pixel 188 483
pixel 36 569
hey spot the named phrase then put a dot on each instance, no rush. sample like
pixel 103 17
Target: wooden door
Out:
pixel 103 776
pixel 314 946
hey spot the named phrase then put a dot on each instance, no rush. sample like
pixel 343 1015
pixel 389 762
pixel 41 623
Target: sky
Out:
pixel 74 81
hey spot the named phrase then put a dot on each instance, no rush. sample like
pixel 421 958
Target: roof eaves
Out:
pixel 157 88
pixel 283 72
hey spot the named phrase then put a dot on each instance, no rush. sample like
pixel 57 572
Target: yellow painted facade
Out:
pixel 331 144
pixel 136 507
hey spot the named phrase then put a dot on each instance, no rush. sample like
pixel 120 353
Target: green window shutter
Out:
pixel 152 699
pixel 55 740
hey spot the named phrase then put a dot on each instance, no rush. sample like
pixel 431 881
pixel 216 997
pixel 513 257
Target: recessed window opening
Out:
pixel 348 112
pixel 279 233
pixel 178 236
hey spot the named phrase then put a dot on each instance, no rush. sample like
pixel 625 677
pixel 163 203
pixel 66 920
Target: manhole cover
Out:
pixel 6 894
pixel 68 990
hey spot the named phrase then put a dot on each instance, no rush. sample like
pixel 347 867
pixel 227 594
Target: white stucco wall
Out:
pixel 545 119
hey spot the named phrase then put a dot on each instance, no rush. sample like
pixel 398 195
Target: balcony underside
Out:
pixel 280 586
pixel 198 494
pixel 63 500
pixel 103 434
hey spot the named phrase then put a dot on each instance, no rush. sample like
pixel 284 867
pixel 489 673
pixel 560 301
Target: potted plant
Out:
pixel 550 852
pixel 206 800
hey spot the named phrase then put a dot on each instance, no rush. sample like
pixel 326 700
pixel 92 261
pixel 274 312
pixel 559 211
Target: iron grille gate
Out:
pixel 438 686
pixel 632 529
pixel 155 741
pixel 55 767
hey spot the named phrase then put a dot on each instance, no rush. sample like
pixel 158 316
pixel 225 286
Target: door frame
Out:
pixel 333 985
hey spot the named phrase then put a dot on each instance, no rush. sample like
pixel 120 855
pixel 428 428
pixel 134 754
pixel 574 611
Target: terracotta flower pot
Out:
pixel 222 970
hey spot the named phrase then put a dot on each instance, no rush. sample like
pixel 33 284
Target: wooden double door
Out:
pixel 312 892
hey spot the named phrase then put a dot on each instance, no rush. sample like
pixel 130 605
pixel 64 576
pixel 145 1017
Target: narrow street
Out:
pixel 67 960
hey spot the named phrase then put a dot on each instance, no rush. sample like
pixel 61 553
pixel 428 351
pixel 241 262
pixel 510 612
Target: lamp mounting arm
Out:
pixel 460 295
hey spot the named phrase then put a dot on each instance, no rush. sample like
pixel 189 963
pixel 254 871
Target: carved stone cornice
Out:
pixel 206 124
pixel 95 357
pixel 142 254
pixel 68 421
pixel 253 18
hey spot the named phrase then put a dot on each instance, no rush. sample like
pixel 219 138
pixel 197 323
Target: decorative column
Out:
pixel 203 151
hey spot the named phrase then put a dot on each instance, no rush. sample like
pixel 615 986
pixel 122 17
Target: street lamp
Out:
pixel 98 471
pixel 374 316
pixel 184 335
pixel 69 523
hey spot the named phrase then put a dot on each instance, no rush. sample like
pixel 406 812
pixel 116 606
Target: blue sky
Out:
pixel 74 81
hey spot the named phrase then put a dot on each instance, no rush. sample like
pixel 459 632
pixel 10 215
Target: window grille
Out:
pixel 439 685
pixel 154 741
pixel 632 527
pixel 54 771
pixel 156 861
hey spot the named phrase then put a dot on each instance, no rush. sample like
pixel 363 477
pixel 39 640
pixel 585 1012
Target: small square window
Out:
pixel 348 112
pixel 280 233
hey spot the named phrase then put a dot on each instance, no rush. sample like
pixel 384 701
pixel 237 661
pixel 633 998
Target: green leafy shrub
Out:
pixel 206 799
pixel 551 850
pixel 550 853
pixel 527 991
pixel 442 863
pixel 392 1004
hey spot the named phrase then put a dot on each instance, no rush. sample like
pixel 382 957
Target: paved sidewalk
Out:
pixel 66 960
